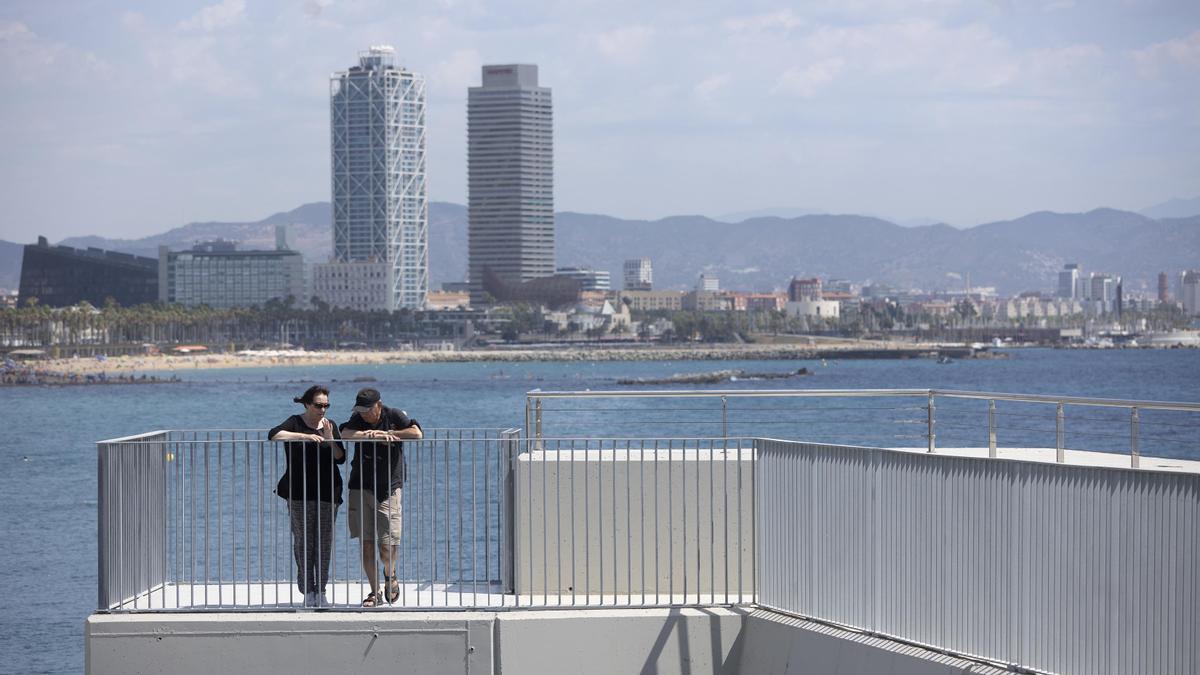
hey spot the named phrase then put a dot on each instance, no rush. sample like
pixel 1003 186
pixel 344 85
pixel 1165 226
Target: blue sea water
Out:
pixel 48 502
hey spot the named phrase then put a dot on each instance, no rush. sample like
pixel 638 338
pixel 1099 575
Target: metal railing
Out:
pixel 1045 566
pixel 190 520
pixel 882 418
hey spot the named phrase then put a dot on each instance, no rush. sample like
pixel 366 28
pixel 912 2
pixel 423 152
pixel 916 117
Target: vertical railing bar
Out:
pixel 446 512
pixel 725 507
pixel 642 521
pixel 459 484
pixel 753 524
pixel 929 422
pixel 992 428
pixel 657 542
pixel 545 535
pixel 712 521
pixel 529 513
pixel 207 503
pixel 487 518
pixel 1135 453
pixel 574 566
pixel 1059 434
pixel 587 522
pixel 474 528
pixel 628 463
pixel 741 526
pixel 670 519
pixel 600 512
pixel 557 519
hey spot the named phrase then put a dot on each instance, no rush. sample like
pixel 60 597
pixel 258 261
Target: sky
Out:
pixel 125 119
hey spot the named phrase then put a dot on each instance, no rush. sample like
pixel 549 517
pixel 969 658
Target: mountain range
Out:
pixel 763 253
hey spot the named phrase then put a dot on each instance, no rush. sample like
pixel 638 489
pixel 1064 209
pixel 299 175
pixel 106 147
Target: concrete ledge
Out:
pixel 308 642
pixel 607 641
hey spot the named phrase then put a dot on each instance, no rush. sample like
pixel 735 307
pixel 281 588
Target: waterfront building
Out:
pixel 510 179
pixel 1164 289
pixel 708 283
pixel 819 309
pixel 639 275
pixel 1103 292
pixel 1068 281
pixel 1190 292
pixel 804 289
pixel 589 279
pixel 352 285
pixel 380 204
pixel 765 302
pixel 701 300
pixel 216 274
pixel 651 301
pixel 60 276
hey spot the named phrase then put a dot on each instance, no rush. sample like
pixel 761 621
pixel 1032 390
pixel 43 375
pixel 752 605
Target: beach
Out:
pixel 268 358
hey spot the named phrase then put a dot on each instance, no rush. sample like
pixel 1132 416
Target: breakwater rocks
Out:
pixel 741 352
pixel 27 377
pixel 712 378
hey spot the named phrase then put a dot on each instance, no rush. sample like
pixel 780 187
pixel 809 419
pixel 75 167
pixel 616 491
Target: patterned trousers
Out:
pixel 312 540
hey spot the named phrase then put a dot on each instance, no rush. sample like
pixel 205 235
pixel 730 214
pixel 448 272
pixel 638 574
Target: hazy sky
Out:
pixel 127 119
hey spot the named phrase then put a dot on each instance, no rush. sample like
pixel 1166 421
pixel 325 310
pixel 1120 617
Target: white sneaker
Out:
pixel 310 599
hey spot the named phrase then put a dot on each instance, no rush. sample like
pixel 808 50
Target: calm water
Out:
pixel 47 506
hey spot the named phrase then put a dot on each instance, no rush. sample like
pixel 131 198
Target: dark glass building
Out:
pixel 61 276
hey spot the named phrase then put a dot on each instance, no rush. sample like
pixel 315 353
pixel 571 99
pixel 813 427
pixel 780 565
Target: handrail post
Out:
pixel 929 410
pixel 1135 454
pixel 725 417
pixel 992 428
pixel 538 421
pixel 1059 435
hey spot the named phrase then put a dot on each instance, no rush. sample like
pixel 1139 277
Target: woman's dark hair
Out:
pixel 311 393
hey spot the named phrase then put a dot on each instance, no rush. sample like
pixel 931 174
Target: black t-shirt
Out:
pixel 311 473
pixel 379 465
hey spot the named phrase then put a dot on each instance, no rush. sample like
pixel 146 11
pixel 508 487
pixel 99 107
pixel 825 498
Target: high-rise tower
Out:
pixel 380 206
pixel 510 178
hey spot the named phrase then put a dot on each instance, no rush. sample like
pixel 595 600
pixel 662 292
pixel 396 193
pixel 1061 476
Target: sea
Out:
pixel 48 500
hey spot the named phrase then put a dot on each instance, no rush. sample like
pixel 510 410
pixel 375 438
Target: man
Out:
pixel 377 475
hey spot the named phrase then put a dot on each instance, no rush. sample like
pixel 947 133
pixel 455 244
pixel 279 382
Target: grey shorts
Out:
pixel 378 520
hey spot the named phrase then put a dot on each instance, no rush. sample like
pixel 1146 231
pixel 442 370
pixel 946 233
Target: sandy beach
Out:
pixel 266 359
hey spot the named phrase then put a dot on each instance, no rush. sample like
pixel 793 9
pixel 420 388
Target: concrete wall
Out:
pixel 663 641
pixel 653 520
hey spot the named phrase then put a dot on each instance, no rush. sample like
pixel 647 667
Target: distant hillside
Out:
pixel 10 264
pixel 1175 208
pixel 763 253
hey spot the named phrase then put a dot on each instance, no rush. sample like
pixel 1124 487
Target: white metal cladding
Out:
pixel 1059 568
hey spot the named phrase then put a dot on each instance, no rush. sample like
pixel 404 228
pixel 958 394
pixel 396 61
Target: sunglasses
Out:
pixel 322 406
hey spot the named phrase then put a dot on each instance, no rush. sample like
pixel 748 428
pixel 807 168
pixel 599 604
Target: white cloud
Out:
pixel 450 77
pixel 807 80
pixel 313 8
pixel 25 56
pixel 709 87
pixel 213 17
pixel 1184 52
pixel 625 45
pixel 782 20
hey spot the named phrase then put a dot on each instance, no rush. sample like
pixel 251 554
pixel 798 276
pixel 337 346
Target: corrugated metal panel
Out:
pixel 1059 568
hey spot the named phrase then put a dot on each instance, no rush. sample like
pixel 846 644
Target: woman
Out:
pixel 312 486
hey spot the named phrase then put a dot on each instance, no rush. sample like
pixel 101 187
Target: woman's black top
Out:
pixel 311 473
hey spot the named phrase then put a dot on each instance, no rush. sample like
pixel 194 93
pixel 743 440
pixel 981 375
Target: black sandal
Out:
pixel 391 589
pixel 372 600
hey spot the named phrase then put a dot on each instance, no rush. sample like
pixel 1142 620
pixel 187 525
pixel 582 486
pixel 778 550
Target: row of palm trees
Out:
pixel 36 325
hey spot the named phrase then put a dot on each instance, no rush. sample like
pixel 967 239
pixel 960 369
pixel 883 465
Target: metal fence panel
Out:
pixel 1060 568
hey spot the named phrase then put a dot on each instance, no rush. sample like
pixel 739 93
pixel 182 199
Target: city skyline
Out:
pixel 959 112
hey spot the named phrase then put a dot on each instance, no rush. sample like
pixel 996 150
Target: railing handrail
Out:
pixel 146 437
pixel 862 393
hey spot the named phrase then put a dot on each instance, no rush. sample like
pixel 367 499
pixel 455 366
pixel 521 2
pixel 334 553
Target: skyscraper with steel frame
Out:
pixel 380 205
pixel 510 178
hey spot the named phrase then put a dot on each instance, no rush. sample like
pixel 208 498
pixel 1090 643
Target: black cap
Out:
pixel 365 400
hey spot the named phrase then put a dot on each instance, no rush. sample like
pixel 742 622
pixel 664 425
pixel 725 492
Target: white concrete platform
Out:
pixel 1090 458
